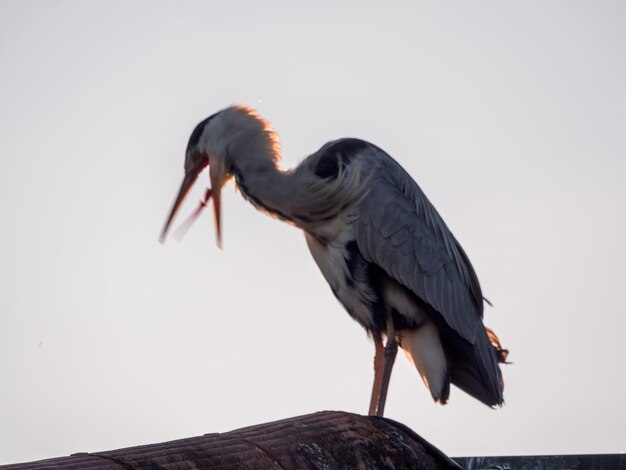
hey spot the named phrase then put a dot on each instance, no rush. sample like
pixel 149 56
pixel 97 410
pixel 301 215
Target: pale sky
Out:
pixel 511 116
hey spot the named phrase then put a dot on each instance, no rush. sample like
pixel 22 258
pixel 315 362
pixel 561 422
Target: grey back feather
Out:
pixel 398 229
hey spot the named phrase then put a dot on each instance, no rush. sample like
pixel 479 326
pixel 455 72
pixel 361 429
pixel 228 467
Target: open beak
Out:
pixel 188 181
pixel 217 203
pixel 214 192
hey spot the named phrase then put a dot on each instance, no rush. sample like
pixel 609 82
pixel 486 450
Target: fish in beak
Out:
pixel 215 192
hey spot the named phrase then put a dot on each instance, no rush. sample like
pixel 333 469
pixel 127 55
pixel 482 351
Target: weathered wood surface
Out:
pixel 326 440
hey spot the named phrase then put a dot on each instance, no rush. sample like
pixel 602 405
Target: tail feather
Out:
pixel 474 369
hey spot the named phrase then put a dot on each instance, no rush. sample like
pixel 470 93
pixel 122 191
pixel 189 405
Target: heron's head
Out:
pixel 217 143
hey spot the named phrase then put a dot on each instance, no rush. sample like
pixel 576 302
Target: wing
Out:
pixel 399 230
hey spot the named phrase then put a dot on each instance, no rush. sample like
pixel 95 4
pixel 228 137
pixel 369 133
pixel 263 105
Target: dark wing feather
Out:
pixel 399 230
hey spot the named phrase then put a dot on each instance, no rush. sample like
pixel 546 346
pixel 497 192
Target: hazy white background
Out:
pixel 510 115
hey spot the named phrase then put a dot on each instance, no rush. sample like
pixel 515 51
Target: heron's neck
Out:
pixel 266 186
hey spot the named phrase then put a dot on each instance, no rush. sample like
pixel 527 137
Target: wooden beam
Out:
pixel 325 440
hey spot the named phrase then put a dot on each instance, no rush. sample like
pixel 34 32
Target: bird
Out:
pixel 388 256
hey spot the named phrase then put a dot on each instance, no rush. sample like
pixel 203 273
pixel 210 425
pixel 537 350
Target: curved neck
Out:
pixel 266 186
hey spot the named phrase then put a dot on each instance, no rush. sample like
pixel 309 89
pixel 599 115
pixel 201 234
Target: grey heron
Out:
pixel 388 256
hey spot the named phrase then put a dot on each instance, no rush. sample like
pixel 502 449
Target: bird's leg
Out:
pixel 391 349
pixel 378 372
